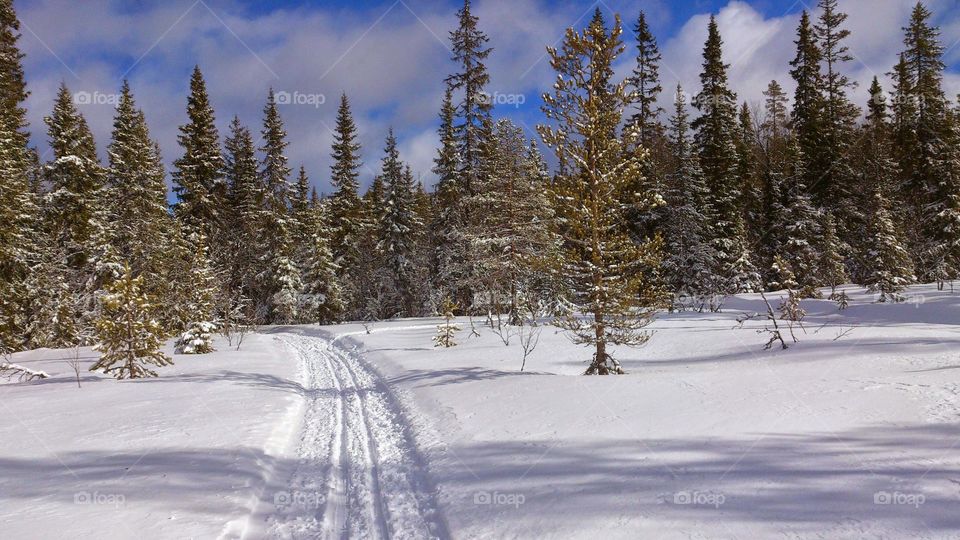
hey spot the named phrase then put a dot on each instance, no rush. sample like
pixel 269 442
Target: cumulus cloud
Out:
pixel 390 59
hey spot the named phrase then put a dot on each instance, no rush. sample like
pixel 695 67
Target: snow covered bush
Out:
pixel 198 339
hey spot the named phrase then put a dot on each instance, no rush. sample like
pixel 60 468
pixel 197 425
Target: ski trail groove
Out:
pixel 356 452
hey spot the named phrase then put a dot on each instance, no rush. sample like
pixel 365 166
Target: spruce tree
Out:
pixel 512 241
pixel 282 281
pixel 198 175
pixel 198 285
pixel 18 200
pixel 603 265
pixel 323 296
pixel 448 226
pixel 399 227
pixel 245 212
pixel 808 103
pixel 138 194
pixel 470 52
pixel 715 140
pixel 645 83
pixel 76 180
pixel 884 263
pixel 833 190
pixel 346 211
pixel 931 163
pixel 689 258
pixel 128 336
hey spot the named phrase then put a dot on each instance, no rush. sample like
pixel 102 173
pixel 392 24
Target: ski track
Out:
pixel 357 473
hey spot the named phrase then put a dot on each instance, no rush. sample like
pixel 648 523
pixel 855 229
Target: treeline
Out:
pixel 646 208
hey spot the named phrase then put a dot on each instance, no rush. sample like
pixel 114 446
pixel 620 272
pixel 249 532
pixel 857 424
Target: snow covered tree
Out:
pixel 645 88
pixel 512 240
pixel 282 281
pixel 346 210
pixel 399 227
pixel 645 83
pixel 602 263
pixel 470 51
pixel 198 175
pixel 323 297
pixel 689 257
pixel 55 315
pixel 833 188
pixel 76 180
pixel 885 262
pixel 806 120
pixel 469 45
pixel 18 204
pixel 448 225
pixel 245 214
pixel 128 336
pixel 446 332
pixel 715 140
pixel 931 159
pixel 198 288
pixel 138 194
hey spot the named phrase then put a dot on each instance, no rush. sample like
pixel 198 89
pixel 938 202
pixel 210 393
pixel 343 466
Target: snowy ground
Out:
pixel 332 432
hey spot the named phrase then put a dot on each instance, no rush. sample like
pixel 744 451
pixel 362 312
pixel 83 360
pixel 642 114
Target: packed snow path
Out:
pixel 357 473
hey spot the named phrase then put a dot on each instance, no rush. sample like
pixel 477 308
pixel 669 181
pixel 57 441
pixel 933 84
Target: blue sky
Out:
pixel 391 57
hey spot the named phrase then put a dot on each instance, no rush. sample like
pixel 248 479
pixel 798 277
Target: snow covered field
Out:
pixel 310 432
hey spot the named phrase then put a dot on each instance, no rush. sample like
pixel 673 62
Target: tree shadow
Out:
pixel 805 483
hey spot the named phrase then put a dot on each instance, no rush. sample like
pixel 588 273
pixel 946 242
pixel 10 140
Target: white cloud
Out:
pixel 391 63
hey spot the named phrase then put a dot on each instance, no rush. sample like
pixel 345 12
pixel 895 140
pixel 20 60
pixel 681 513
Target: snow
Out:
pixel 307 431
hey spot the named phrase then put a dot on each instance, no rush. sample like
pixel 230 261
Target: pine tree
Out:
pixel 198 286
pixel 446 332
pixel 281 284
pixel 808 103
pixel 55 315
pixel 833 190
pixel 602 263
pixel 323 295
pixel 198 177
pixel 469 45
pixel 883 263
pixel 715 139
pixel 512 240
pixel 448 226
pixel 76 180
pixel 137 191
pixel 346 210
pixel 646 85
pixel 689 258
pixel 792 239
pixel 245 213
pixel 399 227
pixel 129 337
pixel 470 51
pixel 931 162
pixel 18 204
